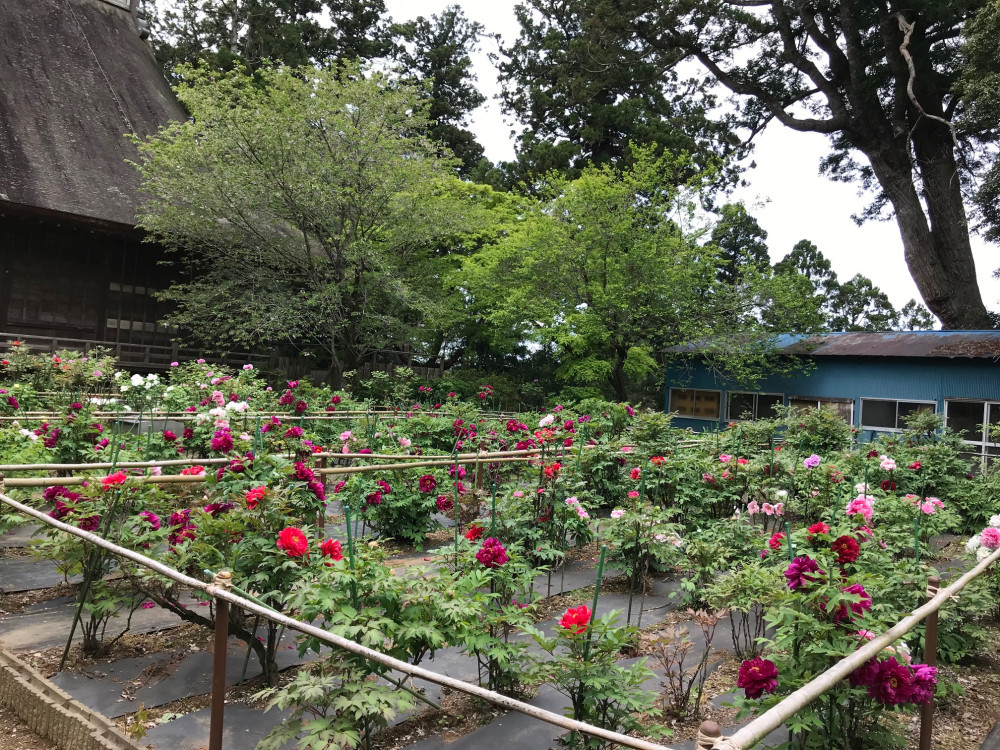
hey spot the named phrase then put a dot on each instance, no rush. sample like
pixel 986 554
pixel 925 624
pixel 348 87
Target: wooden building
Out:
pixel 75 77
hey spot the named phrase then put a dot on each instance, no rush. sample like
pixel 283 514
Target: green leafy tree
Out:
pixel 437 52
pixel 308 208
pixel 877 78
pixel 227 33
pixel 859 305
pixel 806 262
pixel 979 86
pixel 915 317
pixel 605 274
pixel 584 93
pixel 741 241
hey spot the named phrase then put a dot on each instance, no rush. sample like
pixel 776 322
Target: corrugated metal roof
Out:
pixel 968 344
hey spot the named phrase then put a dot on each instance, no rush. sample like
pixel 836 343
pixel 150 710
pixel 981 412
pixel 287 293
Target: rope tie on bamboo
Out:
pixel 223 579
pixel 710 736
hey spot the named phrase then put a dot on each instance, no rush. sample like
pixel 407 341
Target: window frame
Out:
pixel 756 408
pixel 897 401
pixel 670 401
pixel 820 400
pixel 982 446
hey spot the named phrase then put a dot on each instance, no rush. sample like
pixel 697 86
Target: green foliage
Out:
pixel 311 207
pixel 583 666
pixel 334 704
pixel 748 592
pixel 820 431
pixel 437 53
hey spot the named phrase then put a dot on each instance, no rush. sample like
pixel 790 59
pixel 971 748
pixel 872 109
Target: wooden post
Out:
pixel 708 733
pixel 930 659
pixel 223 579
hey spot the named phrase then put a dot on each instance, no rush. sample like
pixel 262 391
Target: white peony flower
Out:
pixel 982 553
pixel 995 521
pixel 546 420
pixel 138 380
pixel 973 544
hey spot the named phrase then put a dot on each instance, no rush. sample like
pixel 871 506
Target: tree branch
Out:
pixel 907 29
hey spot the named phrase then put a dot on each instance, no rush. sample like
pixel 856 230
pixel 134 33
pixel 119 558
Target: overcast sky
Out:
pixel 786 194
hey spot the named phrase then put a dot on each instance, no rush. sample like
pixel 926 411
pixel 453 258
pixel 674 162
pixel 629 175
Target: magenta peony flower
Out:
pixel 843 612
pixel 798 572
pixel 427 483
pixel 492 554
pixel 758 676
pixel 893 684
pixel 924 680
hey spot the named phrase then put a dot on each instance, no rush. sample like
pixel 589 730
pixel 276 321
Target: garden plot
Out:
pixel 790 540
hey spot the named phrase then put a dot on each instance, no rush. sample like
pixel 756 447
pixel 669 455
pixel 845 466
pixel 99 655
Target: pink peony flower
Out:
pixel 990 537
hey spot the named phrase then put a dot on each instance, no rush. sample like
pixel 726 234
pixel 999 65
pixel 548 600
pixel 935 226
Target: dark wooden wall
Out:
pixel 62 279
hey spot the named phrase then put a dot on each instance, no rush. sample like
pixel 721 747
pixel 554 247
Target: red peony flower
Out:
pixel 427 483
pixel 117 478
pixel 474 532
pixel 331 548
pixel 775 541
pixel 255 495
pixel 758 676
pixel 657 460
pixel 847 549
pixel 193 471
pixel 817 528
pixel 635 473
pixel 576 619
pixel 293 541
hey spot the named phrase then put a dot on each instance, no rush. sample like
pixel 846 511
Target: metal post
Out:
pixel 930 658
pixel 222 578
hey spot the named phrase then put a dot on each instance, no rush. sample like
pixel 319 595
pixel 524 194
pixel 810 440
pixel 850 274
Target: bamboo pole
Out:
pixel 221 593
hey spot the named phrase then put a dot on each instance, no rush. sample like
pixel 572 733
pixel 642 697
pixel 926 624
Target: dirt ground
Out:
pixel 17 736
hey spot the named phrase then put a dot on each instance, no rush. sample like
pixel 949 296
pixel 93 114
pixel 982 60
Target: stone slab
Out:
pixel 27 574
pixel 20 536
pixel 48 625
pixel 243 728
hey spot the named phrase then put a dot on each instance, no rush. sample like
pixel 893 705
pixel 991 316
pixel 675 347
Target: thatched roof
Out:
pixel 74 78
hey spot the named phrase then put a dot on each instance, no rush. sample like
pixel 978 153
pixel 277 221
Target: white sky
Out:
pixel 786 194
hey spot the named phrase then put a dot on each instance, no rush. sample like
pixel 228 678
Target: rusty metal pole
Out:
pixel 930 658
pixel 708 733
pixel 223 579
pixel 321 516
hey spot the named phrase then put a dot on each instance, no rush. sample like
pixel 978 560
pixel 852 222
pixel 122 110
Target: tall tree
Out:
pixel 437 52
pixel 876 77
pixel 584 93
pixel 979 85
pixel 806 261
pixel 225 33
pixel 859 305
pixel 915 317
pixel 308 208
pixel 741 241
pixel 600 268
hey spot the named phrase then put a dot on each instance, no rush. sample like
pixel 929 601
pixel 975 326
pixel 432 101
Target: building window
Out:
pixel 754 405
pixel 696 404
pixel 885 414
pixel 972 419
pixel 843 407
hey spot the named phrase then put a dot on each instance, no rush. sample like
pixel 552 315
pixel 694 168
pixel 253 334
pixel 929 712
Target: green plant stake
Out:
pixel 455 464
pixel 916 538
pixel 258 439
pixel 788 536
pixel 350 555
pixel 493 511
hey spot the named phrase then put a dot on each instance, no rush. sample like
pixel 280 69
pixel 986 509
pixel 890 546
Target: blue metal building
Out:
pixel 872 379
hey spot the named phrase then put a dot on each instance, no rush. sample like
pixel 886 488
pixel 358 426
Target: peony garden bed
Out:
pixel 733 566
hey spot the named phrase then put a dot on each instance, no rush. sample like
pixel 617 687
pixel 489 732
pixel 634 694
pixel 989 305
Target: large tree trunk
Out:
pixel 618 376
pixel 938 252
